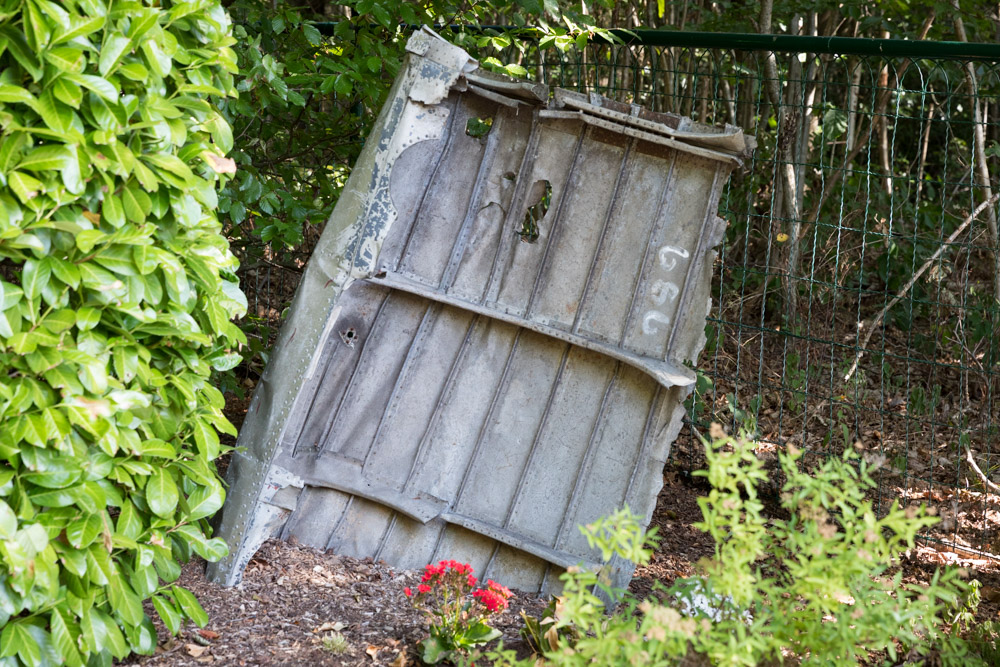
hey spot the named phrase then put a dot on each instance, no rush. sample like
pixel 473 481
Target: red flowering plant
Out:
pixel 458 620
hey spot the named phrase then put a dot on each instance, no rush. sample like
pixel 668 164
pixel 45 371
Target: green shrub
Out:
pixel 116 294
pixel 814 585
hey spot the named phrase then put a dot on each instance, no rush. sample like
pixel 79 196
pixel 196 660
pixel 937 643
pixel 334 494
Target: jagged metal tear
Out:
pixel 443 388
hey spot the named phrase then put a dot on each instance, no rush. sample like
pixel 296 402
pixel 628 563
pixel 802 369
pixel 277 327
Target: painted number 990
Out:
pixel 663 291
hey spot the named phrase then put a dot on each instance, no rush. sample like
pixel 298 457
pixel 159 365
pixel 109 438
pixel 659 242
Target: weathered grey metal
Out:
pixel 446 387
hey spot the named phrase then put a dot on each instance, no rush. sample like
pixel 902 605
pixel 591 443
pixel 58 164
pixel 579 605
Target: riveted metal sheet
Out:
pixel 449 385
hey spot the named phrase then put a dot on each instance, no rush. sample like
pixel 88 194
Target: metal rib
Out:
pixel 430 315
pixel 340 521
pixel 438 541
pixel 430 183
pixel 621 179
pixel 328 425
pixel 436 413
pixel 647 440
pixel 696 260
pixel 485 165
pixel 485 576
pixel 538 434
pixel 385 537
pixel 330 359
pixel 588 456
pixel 501 388
pixel 556 219
pixel 517 199
pixel 665 372
pixel 640 278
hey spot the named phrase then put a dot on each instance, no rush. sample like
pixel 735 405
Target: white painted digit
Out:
pixel 650 320
pixel 662 291
pixel 668 262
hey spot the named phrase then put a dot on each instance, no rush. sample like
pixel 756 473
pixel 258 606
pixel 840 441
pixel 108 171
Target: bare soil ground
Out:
pixel 294 599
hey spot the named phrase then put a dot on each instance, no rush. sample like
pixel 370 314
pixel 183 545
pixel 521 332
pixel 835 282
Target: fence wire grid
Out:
pixel 855 294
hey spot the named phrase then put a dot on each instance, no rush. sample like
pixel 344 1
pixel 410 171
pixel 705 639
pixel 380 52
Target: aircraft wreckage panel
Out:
pixel 503 322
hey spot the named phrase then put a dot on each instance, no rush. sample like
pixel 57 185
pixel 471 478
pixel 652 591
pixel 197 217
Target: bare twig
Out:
pixel 979 473
pixel 982 170
pixel 913 279
pixel 787 130
pixel 859 143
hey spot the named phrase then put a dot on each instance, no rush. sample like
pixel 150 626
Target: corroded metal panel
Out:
pixel 488 348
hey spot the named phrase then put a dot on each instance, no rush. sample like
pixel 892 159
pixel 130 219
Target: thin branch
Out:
pixel 913 279
pixel 982 170
pixel 787 129
pixel 979 473
pixel 878 111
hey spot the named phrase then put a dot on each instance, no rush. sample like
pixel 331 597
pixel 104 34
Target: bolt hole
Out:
pixel 349 336
pixel 541 194
pixel 478 127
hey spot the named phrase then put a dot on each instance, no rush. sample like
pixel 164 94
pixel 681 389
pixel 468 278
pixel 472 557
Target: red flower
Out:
pixel 471 581
pixel 407 591
pixel 423 588
pixel 502 591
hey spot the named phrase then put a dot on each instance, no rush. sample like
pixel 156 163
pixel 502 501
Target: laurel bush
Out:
pixel 116 294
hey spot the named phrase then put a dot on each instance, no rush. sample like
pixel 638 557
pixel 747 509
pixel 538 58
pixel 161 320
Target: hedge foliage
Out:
pixel 116 294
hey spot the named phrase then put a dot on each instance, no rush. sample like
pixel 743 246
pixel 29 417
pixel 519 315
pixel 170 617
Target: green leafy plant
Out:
pixel 457 610
pixel 815 585
pixel 541 634
pixel 116 294
pixel 336 643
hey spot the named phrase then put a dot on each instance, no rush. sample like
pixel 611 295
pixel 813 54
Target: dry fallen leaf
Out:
pixel 400 660
pixel 194 650
pixel 552 637
pixel 222 165
pixel 336 627
pixel 372 651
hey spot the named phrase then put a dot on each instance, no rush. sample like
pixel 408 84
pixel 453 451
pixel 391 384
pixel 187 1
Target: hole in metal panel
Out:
pixel 349 336
pixel 478 127
pixel 541 194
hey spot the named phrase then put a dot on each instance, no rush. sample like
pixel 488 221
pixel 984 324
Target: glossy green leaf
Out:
pixel 79 26
pixel 114 47
pixel 64 638
pixel 53 156
pixel 24 186
pixel 168 613
pixel 136 204
pixel 206 438
pixel 16 640
pixel 161 493
pixel 84 531
pixel 9 94
pixel 189 606
pixel 98 85
pixel 205 501
pixel 124 601
pixel 34 276
pixel 8 520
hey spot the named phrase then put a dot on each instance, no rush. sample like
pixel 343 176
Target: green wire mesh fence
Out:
pixel 855 292
pixel 854 301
